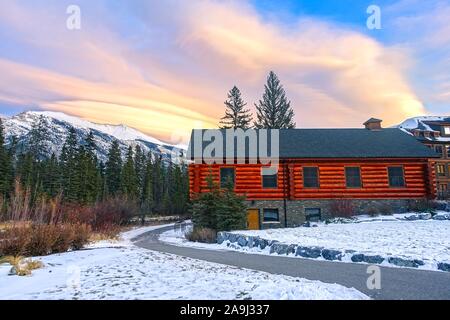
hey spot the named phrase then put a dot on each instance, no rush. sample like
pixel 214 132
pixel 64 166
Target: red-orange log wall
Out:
pixel 419 178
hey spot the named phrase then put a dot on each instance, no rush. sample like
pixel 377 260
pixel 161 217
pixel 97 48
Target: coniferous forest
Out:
pixel 30 178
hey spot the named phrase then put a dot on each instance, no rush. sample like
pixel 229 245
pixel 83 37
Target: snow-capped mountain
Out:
pixel 59 124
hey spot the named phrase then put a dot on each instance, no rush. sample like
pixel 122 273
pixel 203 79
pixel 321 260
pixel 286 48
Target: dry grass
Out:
pixel 31 239
pixel 22 266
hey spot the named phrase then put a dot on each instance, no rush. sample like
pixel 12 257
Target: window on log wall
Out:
pixel 353 177
pixel 396 177
pixel 227 175
pixel 269 178
pixel 310 177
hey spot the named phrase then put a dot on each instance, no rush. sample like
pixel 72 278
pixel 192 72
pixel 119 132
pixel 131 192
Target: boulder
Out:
pixel 425 216
pixel 358 257
pixel 306 252
pixel 447 207
pixel 279 248
pixel 220 237
pixel 250 242
pixel 419 262
pixel 12 271
pixel 412 218
pixel 232 237
pixel 373 259
pixel 291 249
pixel 242 241
pixel 331 254
pixel 405 263
pixel 444 266
pixel 256 242
pixel 263 243
pixel 272 242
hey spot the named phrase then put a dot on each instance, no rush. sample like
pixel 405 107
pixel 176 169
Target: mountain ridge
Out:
pixel 59 124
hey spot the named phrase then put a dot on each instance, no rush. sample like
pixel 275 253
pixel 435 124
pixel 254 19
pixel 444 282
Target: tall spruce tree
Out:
pixel 51 176
pixel 129 177
pixel 6 166
pixel 139 167
pixel 89 171
pixel 113 169
pixel 70 159
pixel 236 116
pixel 158 184
pixel 274 110
pixel 147 202
pixel 178 196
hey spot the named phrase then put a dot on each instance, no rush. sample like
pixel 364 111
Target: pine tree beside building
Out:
pixel 274 110
pixel 236 115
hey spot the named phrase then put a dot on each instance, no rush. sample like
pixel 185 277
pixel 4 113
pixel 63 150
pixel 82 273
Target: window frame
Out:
pixel 444 172
pixel 268 175
pixel 317 177
pixel 319 214
pixel 446 130
pixel 270 221
pixel 234 176
pixel 442 147
pixel 346 177
pixel 403 175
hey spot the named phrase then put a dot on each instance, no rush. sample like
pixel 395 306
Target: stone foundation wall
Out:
pixel 296 209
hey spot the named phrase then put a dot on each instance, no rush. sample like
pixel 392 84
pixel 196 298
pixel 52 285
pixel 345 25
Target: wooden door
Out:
pixel 253 219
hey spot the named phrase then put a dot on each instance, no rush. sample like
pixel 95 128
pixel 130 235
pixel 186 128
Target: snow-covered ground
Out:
pixel 426 240
pixel 120 270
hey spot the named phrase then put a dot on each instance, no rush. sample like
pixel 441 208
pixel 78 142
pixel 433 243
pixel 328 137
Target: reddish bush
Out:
pixel 114 212
pixel 43 238
pixel 204 235
pixel 64 238
pixel 82 234
pixel 79 214
pixel 342 208
pixel 14 240
pixel 372 211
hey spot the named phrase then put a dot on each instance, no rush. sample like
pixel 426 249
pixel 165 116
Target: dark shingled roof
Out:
pixel 344 143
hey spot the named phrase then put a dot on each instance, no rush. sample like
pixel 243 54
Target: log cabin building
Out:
pixel 370 167
pixel 434 132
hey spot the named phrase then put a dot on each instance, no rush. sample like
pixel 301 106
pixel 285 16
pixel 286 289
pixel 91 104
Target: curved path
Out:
pixel 396 283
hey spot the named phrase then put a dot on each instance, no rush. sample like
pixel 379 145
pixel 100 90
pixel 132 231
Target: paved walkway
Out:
pixel 396 283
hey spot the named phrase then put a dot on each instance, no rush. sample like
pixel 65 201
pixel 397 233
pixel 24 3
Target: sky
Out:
pixel 165 67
